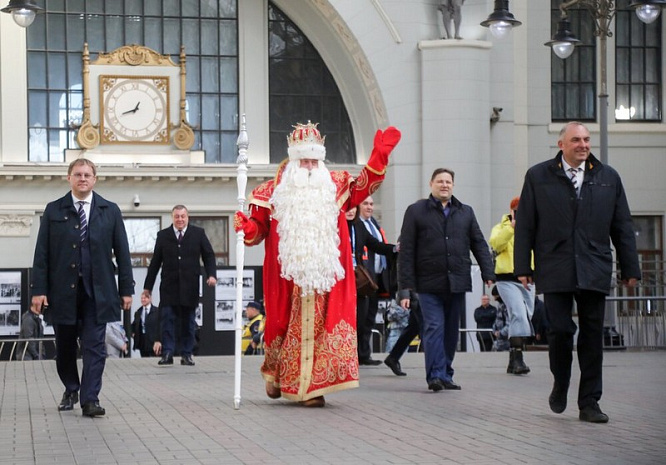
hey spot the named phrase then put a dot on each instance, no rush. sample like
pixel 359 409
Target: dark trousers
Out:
pixel 93 351
pixel 186 326
pixel 410 331
pixel 591 307
pixel 366 312
pixel 441 326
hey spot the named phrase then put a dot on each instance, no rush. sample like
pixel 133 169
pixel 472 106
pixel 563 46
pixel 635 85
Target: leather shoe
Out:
pixel 93 409
pixel 436 385
pixel 68 401
pixel 314 402
pixel 558 398
pixel 369 362
pixel 394 365
pixel 167 359
pixel 451 386
pixel 593 414
pixel 186 360
pixel 273 391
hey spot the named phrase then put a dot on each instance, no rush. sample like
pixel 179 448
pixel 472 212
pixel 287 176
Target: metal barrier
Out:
pixel 13 343
pixel 640 321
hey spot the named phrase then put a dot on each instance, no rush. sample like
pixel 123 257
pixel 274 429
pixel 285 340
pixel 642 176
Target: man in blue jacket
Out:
pixel 569 207
pixel 437 236
pixel 79 231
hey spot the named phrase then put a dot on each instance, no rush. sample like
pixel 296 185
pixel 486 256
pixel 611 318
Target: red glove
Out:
pixel 383 146
pixel 243 223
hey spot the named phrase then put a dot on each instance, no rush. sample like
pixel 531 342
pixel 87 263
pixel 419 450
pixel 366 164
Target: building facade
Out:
pixel 486 108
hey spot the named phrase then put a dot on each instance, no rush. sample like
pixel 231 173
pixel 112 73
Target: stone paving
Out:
pixel 185 415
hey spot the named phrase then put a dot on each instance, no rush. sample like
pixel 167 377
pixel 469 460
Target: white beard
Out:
pixel 305 207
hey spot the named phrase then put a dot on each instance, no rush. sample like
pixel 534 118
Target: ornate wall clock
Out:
pixel 134 96
pixel 134 109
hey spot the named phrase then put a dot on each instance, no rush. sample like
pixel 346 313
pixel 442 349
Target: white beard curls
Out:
pixel 305 207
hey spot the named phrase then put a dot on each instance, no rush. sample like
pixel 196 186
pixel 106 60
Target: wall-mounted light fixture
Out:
pixel 501 21
pixel 23 12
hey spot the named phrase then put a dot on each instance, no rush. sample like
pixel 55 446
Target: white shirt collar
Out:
pixel 175 230
pixel 87 200
pixel 567 166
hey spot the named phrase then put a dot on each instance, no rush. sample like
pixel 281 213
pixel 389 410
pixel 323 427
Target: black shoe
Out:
pixel 593 414
pixel 394 365
pixel 167 359
pixel 69 399
pixel 369 362
pixel 451 386
pixel 93 409
pixel 558 398
pixel 186 360
pixel 436 385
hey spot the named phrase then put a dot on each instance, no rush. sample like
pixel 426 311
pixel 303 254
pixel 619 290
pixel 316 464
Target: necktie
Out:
pixel 380 260
pixel 82 221
pixel 574 179
pixel 180 236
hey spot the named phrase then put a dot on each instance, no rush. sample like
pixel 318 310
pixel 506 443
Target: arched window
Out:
pixel 301 88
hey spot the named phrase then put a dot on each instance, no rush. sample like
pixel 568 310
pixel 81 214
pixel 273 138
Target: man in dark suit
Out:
pixel 146 330
pixel 79 231
pixel 364 247
pixel 378 265
pixel 569 208
pixel 178 249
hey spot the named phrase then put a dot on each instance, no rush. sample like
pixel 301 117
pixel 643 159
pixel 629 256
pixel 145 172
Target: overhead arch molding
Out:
pixel 348 65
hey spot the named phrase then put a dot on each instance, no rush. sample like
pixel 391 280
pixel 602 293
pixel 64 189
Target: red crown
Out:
pixel 306 141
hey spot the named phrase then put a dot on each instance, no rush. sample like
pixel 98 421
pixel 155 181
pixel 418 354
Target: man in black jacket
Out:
pixel 146 330
pixel 437 236
pixel 178 249
pixel 569 207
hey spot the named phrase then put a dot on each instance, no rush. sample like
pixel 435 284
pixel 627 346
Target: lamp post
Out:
pixel 23 12
pixel 564 41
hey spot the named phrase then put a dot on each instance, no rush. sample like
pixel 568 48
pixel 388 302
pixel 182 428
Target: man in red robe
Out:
pixel 309 285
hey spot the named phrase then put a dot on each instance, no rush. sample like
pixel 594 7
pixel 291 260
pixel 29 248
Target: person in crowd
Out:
pixel 31 328
pixel 436 238
pixel 569 208
pixel 540 322
pixel 398 319
pixel 78 231
pixel 309 284
pixel 369 248
pixel 378 265
pixel 146 330
pixel 115 340
pixel 408 333
pixel 485 315
pixel 501 324
pixel 254 328
pixel 519 300
pixel 178 251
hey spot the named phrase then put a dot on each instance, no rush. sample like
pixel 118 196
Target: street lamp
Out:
pixel 602 11
pixel 501 20
pixel 23 12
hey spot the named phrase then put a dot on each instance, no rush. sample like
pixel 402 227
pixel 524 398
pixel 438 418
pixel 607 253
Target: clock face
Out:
pixel 134 109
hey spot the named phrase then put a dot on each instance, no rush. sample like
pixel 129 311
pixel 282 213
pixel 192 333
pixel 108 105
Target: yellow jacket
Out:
pixel 501 241
pixel 248 334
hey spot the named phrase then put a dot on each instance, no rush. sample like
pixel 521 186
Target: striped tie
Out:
pixel 574 179
pixel 82 221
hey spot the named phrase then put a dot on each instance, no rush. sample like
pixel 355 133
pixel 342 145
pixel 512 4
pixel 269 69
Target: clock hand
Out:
pixel 133 110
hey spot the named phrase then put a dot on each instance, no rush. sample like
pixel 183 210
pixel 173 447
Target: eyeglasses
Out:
pixel 82 175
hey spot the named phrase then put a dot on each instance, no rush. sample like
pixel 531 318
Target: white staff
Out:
pixel 241 180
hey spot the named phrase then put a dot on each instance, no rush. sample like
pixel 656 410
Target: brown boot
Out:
pixel 314 402
pixel 272 391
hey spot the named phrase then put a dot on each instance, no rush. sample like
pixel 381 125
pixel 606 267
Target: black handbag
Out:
pixel 365 285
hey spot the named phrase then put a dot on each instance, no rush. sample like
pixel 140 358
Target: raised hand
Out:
pixel 384 143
